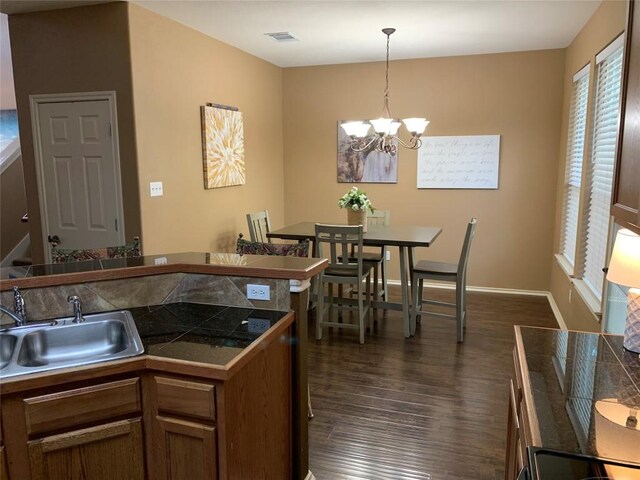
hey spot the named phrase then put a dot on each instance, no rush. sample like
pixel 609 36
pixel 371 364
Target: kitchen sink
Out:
pixel 101 337
pixel 7 347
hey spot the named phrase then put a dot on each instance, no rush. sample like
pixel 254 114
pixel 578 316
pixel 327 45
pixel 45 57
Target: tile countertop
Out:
pixel 574 377
pixel 210 334
pixel 264 266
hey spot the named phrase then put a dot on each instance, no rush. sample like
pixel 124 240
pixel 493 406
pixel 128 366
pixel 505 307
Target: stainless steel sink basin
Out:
pixel 101 337
pixel 7 347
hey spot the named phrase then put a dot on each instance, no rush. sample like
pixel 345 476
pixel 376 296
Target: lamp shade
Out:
pixel 354 128
pixel 382 126
pixel 416 125
pixel 624 267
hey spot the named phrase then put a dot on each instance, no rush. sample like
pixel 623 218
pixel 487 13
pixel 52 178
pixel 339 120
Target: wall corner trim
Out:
pixel 556 312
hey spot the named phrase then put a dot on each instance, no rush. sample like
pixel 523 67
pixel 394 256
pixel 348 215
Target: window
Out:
pixel 9 141
pixel 599 178
pixel 573 174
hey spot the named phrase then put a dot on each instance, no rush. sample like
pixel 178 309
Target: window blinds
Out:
pixel 573 174
pixel 600 167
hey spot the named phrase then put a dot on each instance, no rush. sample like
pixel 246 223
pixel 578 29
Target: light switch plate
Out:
pixel 155 189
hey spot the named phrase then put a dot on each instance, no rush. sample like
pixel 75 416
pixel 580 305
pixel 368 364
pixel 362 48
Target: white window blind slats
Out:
pixel 600 170
pixel 574 158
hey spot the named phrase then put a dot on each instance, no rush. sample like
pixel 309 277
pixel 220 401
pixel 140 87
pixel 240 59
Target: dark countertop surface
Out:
pixel 210 334
pixel 577 380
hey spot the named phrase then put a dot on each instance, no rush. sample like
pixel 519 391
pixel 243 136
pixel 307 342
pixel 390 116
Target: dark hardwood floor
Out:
pixel 419 408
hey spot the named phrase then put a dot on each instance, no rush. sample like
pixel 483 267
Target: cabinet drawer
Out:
pixel 72 408
pixel 185 397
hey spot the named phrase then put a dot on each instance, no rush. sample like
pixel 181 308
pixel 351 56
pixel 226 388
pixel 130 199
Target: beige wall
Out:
pixel 13 206
pixel 515 95
pixel 602 28
pixel 74 50
pixel 175 71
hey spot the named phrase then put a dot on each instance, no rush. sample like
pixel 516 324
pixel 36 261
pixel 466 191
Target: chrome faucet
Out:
pixel 19 307
pixel 77 308
pixel 16 318
pixel 19 314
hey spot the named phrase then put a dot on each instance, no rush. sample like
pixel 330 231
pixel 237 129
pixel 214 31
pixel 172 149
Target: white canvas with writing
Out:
pixel 470 161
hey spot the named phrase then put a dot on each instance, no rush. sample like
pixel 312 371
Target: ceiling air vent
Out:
pixel 282 37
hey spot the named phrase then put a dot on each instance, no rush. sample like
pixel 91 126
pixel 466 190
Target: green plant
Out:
pixel 356 199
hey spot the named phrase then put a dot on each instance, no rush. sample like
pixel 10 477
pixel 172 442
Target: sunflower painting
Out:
pixel 222 147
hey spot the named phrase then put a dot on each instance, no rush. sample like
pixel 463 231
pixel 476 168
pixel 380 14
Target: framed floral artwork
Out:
pixel 222 146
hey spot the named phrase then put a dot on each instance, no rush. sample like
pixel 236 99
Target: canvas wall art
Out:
pixel 368 166
pixel 222 147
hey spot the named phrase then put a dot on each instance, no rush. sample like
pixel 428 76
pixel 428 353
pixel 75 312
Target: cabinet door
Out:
pixel 104 452
pixel 186 450
pixel 4 474
pixel 626 192
pixel 513 462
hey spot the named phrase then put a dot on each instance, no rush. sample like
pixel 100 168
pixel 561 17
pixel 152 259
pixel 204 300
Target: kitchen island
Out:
pixel 180 281
pixel 572 392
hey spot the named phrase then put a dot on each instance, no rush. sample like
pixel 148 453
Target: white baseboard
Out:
pixel 20 250
pixel 556 312
pixel 505 291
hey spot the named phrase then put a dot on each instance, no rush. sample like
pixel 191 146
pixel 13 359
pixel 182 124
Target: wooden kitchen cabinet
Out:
pixel 4 473
pixel 88 432
pixel 181 419
pixel 626 189
pixel 518 423
pixel 103 452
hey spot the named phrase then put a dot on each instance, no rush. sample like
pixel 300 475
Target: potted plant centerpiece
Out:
pixel 357 204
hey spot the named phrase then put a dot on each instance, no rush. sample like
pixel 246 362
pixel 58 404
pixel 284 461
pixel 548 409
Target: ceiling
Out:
pixel 331 32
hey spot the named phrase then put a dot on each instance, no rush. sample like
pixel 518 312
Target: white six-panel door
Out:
pixel 79 174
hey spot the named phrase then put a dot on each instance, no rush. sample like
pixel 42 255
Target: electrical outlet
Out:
pixel 155 189
pixel 258 325
pixel 258 292
pixel 388 255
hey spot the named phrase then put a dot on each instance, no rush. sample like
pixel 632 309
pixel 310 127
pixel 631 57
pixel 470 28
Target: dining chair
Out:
pixel 446 272
pixel 378 260
pixel 64 255
pixel 343 269
pixel 259 225
pixel 245 247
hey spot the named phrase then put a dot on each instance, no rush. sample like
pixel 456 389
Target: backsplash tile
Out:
pixel 151 290
pixel 51 302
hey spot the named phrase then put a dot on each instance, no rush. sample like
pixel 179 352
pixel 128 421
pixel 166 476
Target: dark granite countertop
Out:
pixel 210 334
pixel 583 385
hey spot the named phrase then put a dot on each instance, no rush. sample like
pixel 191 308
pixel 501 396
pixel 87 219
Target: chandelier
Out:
pixel 386 127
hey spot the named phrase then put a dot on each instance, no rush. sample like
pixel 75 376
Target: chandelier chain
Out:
pixel 386 89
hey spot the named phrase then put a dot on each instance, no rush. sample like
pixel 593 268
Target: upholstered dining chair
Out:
pixel 335 242
pixel 245 247
pixel 446 272
pixel 259 225
pixel 63 255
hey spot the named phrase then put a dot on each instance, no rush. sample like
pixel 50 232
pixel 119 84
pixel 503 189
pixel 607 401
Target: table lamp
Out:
pixel 624 269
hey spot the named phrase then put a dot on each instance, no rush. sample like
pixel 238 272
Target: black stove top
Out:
pixel 546 464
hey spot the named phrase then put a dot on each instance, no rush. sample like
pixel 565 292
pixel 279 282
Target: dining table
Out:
pixel 405 237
